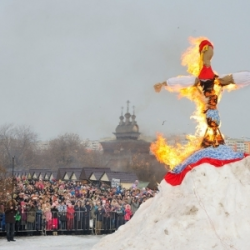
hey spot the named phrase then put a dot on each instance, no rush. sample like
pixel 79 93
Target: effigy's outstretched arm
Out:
pixel 242 79
pixel 177 83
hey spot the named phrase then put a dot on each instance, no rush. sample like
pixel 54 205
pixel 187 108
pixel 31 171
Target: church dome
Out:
pixel 127 129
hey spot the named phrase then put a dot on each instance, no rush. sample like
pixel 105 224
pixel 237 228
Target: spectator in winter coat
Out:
pixel 62 209
pixel 2 218
pixel 39 213
pixel 86 215
pixel 134 205
pixel 70 216
pixel 54 212
pixel 118 190
pixel 107 218
pixel 135 184
pixel 79 209
pixel 47 215
pixel 128 213
pixel 119 216
pixel 99 212
pixel 18 219
pixel 10 213
pixel 31 217
pixel 23 212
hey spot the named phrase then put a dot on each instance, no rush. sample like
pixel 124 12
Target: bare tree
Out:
pixel 147 168
pixel 6 185
pixel 18 141
pixel 92 158
pixel 65 150
pixel 68 150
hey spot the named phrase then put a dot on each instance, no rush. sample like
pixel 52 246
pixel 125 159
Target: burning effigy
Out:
pixel 204 87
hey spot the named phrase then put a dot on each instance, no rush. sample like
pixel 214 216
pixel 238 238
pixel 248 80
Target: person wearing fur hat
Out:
pixel 10 213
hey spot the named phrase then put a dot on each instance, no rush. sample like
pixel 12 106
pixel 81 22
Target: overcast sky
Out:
pixel 69 66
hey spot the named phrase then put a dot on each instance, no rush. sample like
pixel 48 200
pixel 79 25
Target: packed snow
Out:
pixel 61 242
pixel 209 210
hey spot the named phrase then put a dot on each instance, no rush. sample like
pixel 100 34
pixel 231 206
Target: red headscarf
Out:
pixel 204 43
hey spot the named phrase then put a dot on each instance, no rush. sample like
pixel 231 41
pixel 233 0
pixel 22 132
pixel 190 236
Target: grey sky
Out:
pixel 68 66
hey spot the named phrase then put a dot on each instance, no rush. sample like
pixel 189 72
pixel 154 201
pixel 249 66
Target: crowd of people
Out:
pixel 69 206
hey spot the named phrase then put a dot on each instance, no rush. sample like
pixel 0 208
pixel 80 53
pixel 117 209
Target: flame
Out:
pixel 232 87
pixel 190 57
pixel 173 155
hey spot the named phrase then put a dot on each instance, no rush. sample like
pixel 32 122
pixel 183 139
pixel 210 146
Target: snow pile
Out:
pixel 209 210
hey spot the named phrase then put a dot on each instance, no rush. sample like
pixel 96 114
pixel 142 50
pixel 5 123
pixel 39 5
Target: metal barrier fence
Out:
pixel 77 223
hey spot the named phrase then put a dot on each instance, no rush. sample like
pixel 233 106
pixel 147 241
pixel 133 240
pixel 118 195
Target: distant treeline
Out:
pixel 66 150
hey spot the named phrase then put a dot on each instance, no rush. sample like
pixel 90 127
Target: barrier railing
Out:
pixel 77 222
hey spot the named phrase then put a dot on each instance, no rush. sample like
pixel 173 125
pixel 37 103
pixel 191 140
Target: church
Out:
pixel 127 152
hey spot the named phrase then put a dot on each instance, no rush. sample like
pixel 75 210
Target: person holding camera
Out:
pixel 10 213
pixel 134 204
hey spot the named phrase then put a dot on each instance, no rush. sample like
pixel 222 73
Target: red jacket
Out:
pixel 128 214
pixel 70 213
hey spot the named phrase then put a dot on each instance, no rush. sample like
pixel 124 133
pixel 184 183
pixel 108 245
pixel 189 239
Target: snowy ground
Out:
pixel 71 242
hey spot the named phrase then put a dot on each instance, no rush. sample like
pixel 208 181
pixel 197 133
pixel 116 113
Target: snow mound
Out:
pixel 209 210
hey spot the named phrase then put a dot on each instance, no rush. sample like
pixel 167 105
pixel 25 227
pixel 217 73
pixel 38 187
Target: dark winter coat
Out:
pixel 54 212
pixel 79 210
pixel 99 214
pixel 10 215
